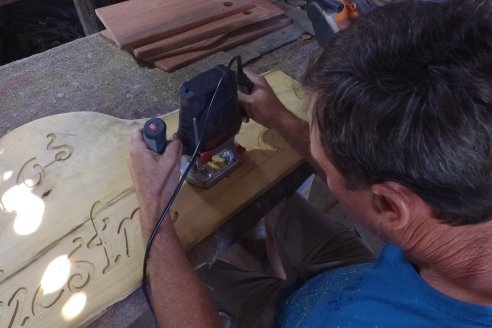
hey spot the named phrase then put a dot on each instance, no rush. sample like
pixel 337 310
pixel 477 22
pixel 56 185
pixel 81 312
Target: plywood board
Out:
pixel 135 23
pixel 71 243
pixel 228 41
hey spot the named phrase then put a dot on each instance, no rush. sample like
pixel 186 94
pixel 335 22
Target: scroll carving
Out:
pixel 16 304
pixel 269 141
pixel 37 305
pixel 22 307
pixel 84 270
pixel 106 226
pixel 123 228
pixel 32 172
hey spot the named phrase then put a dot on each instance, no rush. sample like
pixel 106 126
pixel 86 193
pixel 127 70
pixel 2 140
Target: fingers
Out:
pixel 139 153
pixel 244 98
pixel 259 82
pixel 255 78
pixel 173 152
pixel 137 143
pixel 136 140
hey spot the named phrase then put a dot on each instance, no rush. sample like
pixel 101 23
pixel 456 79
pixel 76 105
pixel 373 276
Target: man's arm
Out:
pixel 179 297
pixel 263 106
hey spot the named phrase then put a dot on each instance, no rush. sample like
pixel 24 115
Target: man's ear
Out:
pixel 394 205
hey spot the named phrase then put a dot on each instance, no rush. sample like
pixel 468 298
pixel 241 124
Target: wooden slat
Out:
pixel 212 29
pixel 107 35
pixel 240 36
pixel 69 171
pixel 135 23
pixel 267 4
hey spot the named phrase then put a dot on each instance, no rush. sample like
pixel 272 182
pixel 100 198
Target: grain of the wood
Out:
pixel 197 46
pixel 267 4
pixel 212 29
pixel 135 23
pixel 207 34
pixel 68 210
pixel 210 42
pixel 243 35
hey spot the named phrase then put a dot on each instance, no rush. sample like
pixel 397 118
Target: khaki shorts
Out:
pixel 308 243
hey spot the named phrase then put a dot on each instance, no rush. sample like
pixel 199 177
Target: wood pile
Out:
pixel 170 34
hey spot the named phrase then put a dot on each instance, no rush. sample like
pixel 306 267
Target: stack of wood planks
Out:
pixel 173 33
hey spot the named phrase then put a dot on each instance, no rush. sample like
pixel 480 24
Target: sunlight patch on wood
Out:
pixel 74 306
pixel 29 209
pixel 56 275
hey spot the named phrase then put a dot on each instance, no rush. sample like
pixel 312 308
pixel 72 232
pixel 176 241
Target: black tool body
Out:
pixel 225 116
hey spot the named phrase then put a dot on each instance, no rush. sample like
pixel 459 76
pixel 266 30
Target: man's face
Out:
pixel 357 203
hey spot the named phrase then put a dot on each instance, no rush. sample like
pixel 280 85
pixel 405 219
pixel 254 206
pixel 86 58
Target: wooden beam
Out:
pixel 86 10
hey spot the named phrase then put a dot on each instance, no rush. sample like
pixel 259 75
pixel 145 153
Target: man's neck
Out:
pixel 457 261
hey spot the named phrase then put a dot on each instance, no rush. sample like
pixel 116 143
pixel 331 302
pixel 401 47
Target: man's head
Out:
pixel 404 96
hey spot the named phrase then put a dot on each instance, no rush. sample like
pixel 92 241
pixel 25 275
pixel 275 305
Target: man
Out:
pixel 401 128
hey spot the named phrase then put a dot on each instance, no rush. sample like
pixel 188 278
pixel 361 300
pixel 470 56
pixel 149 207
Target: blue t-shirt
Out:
pixel 388 293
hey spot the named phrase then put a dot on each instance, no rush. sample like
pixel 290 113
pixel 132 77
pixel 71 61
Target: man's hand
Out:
pixel 155 177
pixel 262 105
pixel 175 286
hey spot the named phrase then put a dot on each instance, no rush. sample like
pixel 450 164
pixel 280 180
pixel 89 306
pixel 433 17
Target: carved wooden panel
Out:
pixel 70 237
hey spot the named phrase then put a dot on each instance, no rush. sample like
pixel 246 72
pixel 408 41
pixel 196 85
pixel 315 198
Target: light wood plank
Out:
pixel 66 178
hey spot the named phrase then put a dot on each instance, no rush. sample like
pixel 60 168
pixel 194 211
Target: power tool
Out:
pixel 209 105
pixel 212 93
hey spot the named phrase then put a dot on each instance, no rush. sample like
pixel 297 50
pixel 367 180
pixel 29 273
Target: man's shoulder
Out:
pixel 389 293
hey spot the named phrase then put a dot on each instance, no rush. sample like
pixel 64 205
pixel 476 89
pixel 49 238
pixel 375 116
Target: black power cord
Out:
pixel 181 181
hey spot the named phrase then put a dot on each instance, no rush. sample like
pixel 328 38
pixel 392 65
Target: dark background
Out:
pixel 28 27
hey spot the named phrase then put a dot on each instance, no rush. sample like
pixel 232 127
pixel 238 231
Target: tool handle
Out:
pixel 154 135
pixel 244 84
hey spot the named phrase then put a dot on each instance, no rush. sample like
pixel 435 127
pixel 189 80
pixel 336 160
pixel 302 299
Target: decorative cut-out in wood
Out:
pixel 69 224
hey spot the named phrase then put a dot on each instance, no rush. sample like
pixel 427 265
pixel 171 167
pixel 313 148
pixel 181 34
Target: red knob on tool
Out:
pixel 239 149
pixel 205 157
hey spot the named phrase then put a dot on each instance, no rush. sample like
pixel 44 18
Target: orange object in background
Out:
pixel 347 15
